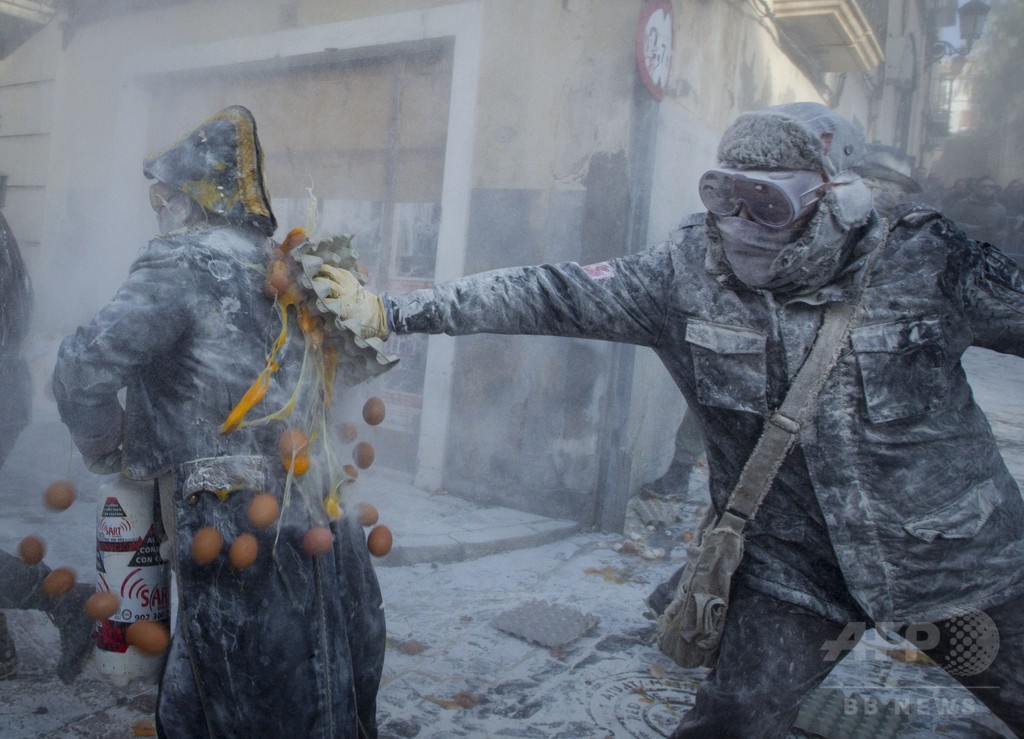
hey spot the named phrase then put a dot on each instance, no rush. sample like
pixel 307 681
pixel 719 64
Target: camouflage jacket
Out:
pixel 898 468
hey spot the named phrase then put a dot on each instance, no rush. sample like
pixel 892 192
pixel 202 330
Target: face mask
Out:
pixel 798 260
pixel 173 209
pixel 752 248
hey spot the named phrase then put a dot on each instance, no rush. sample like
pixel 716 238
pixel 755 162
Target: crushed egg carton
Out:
pixel 653 511
pixel 547 624
pixel 830 712
pixel 359 359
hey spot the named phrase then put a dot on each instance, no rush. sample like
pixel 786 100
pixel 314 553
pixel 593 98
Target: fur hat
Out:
pixel 792 136
pixel 219 164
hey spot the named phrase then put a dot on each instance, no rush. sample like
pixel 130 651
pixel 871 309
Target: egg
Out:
pixel 379 541
pixel 348 432
pixel 373 411
pixel 263 510
pixel 243 551
pixel 278 279
pixel 351 471
pixel 206 545
pixel 293 447
pixel 294 238
pixel 60 581
pixel 368 515
pixel 149 637
pixel 362 455
pixel 308 322
pixel 31 550
pixel 102 605
pixel 318 540
pixel 333 508
pixel 144 727
pixel 59 495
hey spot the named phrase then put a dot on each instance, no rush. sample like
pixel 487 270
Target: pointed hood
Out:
pixel 219 164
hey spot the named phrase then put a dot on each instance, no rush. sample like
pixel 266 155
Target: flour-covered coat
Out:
pixel 896 503
pixel 292 645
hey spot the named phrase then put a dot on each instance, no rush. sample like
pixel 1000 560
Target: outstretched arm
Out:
pixel 621 300
pixel 991 291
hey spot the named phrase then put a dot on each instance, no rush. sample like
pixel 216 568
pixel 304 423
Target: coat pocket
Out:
pixel 961 518
pixel 902 368
pixel 729 365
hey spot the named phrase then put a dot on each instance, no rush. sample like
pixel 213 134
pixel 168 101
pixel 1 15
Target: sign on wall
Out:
pixel 654 46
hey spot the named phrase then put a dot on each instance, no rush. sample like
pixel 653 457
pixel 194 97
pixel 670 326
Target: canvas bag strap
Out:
pixel 783 426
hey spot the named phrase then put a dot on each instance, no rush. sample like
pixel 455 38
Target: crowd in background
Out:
pixel 981 207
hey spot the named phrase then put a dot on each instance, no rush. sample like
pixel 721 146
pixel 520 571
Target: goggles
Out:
pixel 774 198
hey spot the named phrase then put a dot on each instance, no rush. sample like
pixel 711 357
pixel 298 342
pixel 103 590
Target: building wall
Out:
pixel 554 151
pixel 27 81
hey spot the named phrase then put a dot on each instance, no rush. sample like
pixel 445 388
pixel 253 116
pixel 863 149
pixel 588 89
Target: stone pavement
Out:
pixel 456 569
pixel 439 528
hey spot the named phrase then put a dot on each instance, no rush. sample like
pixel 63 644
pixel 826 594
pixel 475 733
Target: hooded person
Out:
pixel 21 584
pixel 289 640
pixel 981 215
pixel 893 504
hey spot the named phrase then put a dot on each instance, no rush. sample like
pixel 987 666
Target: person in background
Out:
pixel 959 191
pixel 1013 200
pixel 894 505
pixel 21 584
pixel 887 173
pixel 933 187
pixel 687 452
pixel 981 215
pixel 286 639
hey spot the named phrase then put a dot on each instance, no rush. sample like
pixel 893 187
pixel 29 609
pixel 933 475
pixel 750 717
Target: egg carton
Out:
pixel 359 359
pixel 547 624
pixel 831 713
pixel 654 512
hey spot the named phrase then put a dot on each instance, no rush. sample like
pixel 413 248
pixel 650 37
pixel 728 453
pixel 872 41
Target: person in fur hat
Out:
pixel 893 506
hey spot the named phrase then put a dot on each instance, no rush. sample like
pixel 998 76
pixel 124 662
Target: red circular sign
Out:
pixel 654 46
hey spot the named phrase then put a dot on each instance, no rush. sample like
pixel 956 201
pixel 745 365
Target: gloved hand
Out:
pixel 103 454
pixel 108 464
pixel 342 294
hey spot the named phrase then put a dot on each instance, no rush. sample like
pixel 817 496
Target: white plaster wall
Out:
pixel 26 120
pixel 542 86
pixel 725 62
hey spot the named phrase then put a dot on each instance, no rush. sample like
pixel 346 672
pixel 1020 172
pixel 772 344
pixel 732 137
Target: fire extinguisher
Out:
pixel 129 530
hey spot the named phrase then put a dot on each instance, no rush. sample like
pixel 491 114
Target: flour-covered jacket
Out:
pixel 898 472
pixel 292 645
